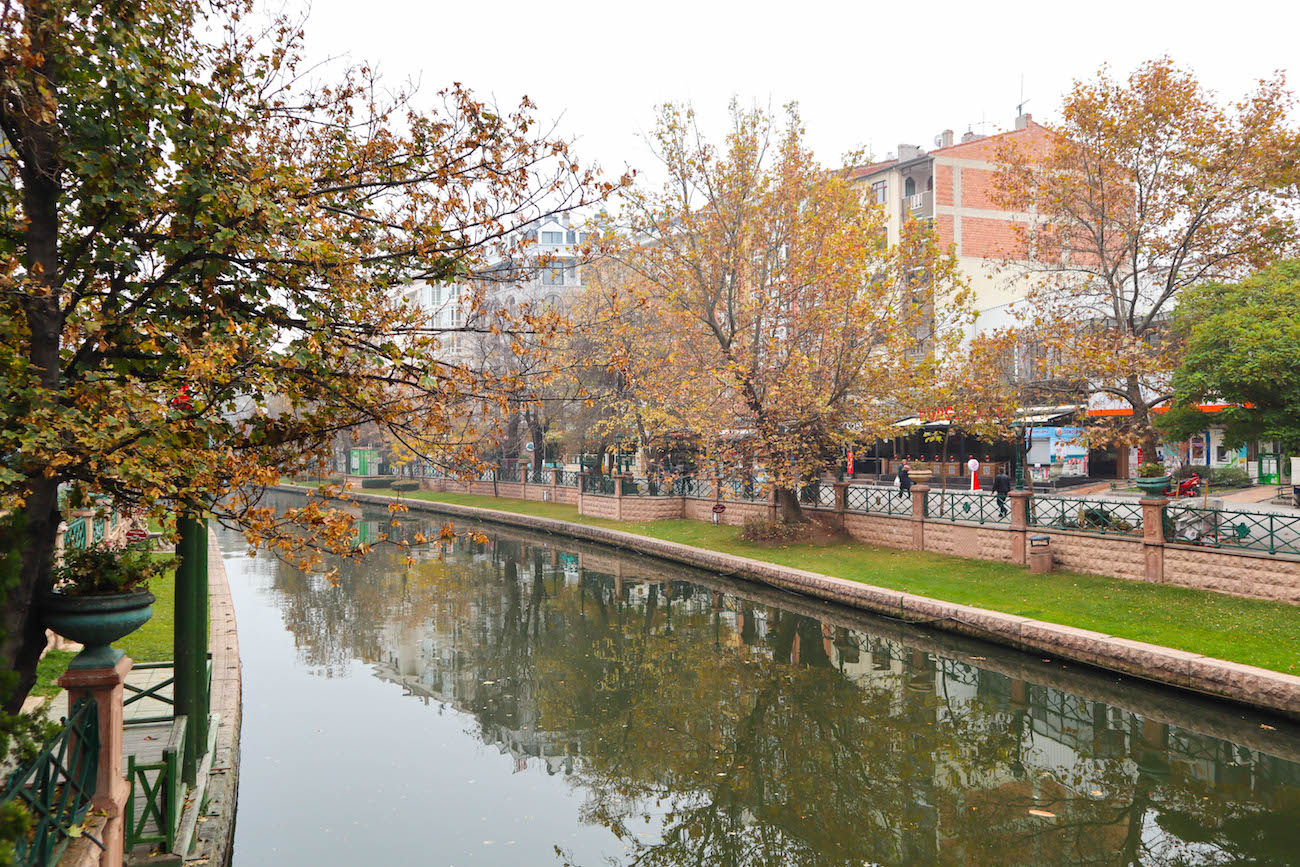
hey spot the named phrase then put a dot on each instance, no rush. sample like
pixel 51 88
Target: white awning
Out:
pixel 908 422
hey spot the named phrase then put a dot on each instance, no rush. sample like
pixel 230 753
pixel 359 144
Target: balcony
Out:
pixel 919 206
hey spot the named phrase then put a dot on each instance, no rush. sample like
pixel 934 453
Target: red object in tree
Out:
pixel 850 463
pixel 183 400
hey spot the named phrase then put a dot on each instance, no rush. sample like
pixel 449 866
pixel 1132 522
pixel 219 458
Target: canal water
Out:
pixel 532 700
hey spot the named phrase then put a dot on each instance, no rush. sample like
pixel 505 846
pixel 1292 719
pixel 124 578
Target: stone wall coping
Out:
pixel 1245 684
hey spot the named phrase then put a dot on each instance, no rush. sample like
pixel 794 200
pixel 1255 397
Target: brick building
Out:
pixel 953 186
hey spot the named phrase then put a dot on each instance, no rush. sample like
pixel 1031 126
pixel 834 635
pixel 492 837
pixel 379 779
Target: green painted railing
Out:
pixel 1089 516
pixel 880 501
pixel 1265 532
pixel 817 495
pixel 153 807
pixel 57 786
pixel 737 489
pixel 153 692
pixel 967 506
pixel 97 530
pixel 75 535
pixel 598 485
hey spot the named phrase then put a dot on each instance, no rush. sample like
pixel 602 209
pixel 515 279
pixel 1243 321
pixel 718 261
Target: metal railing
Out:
pixel 508 474
pixel 817 495
pixel 567 479
pixel 1089 516
pixel 159 792
pixel 699 489
pixel 75 536
pixel 880 501
pixel 57 786
pixel 1265 532
pixel 538 477
pixel 598 485
pixel 741 489
pixel 967 506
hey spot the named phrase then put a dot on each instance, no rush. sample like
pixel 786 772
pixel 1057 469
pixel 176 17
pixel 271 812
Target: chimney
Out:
pixel 908 152
pixel 946 138
pixel 1022 122
pixel 969 135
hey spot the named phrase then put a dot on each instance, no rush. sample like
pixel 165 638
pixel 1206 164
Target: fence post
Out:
pixel 104 687
pixel 1019 526
pixel 1153 536
pixel 582 487
pixel 190 640
pixel 618 497
pixel 920 500
pixel 841 503
pixel 555 485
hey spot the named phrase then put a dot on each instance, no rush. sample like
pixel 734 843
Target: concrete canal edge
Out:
pixel 1245 684
pixel 214 835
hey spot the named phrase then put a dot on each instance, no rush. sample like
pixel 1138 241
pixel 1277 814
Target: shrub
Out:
pixel 407 485
pixel 375 483
pixel 101 569
pixel 768 531
pixel 1230 475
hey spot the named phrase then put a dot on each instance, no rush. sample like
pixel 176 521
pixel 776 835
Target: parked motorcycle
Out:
pixel 1188 487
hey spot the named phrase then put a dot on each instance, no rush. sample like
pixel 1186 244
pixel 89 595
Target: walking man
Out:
pixel 1001 488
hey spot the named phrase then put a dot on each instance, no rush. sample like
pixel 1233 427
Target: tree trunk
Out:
pixel 539 446
pixel 788 510
pixel 24 636
pixel 1148 439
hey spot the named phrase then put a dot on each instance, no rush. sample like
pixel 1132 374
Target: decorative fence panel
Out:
pixel 741 489
pixel 1265 532
pixel 598 485
pixel 539 477
pixel 57 786
pixel 1090 516
pixel 567 479
pixel 75 536
pixel 153 807
pixel 967 506
pixel 879 501
pixel 817 495
pixel 699 489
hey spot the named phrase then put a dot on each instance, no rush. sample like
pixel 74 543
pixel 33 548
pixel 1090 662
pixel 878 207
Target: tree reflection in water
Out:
pixel 709 729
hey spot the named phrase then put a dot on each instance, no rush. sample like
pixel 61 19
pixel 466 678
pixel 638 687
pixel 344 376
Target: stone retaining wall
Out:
pixel 1245 684
pixel 1136 558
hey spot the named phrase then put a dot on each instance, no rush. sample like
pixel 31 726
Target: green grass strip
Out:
pixel 1249 631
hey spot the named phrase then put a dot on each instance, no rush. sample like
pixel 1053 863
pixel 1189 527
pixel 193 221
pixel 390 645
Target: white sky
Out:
pixel 864 74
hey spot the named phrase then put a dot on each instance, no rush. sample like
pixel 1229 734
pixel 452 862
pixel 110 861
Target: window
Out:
pixel 553 276
pixel 457 319
pixel 909 188
pixel 571 237
pixel 880 192
pixel 435 294
pixel 553 300
pixel 552 237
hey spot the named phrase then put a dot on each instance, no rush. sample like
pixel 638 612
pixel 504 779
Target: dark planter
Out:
pixel 1153 487
pixel 96 622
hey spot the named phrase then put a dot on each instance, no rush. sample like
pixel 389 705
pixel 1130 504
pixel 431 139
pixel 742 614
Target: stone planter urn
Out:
pixel 96 621
pixel 921 477
pixel 1153 487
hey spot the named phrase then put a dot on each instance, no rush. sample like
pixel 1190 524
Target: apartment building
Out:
pixel 953 186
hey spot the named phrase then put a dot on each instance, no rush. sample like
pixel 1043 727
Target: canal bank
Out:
pixel 1245 684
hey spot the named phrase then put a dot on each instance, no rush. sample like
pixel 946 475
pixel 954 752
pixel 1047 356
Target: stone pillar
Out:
pixel 104 687
pixel 1019 502
pixel 919 497
pixel 1153 537
pixel 618 497
pixel 841 503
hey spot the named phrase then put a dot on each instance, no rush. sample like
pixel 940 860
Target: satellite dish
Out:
pixel 938 140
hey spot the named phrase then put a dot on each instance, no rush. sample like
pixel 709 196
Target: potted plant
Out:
pixel 100 594
pixel 1152 479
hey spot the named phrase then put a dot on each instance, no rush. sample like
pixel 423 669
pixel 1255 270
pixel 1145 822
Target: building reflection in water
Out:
pixel 747 728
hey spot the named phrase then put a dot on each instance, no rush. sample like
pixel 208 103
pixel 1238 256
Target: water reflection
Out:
pixel 707 723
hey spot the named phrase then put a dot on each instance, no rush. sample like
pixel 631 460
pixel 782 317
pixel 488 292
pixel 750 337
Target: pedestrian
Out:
pixel 1002 487
pixel 904 480
pixel 974 466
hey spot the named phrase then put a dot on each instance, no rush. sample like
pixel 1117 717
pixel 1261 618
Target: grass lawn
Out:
pixel 1249 631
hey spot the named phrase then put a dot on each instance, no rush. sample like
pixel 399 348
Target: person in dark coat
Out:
pixel 904 480
pixel 1001 488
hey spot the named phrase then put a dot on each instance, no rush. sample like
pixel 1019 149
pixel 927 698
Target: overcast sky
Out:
pixel 864 74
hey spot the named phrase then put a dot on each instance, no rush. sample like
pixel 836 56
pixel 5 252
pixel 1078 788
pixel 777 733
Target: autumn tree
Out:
pixel 1147 186
pixel 1243 347
pixel 793 326
pixel 200 251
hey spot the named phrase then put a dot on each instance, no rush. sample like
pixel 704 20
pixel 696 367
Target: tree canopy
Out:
pixel 1242 347
pixel 199 253
pixel 1146 187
